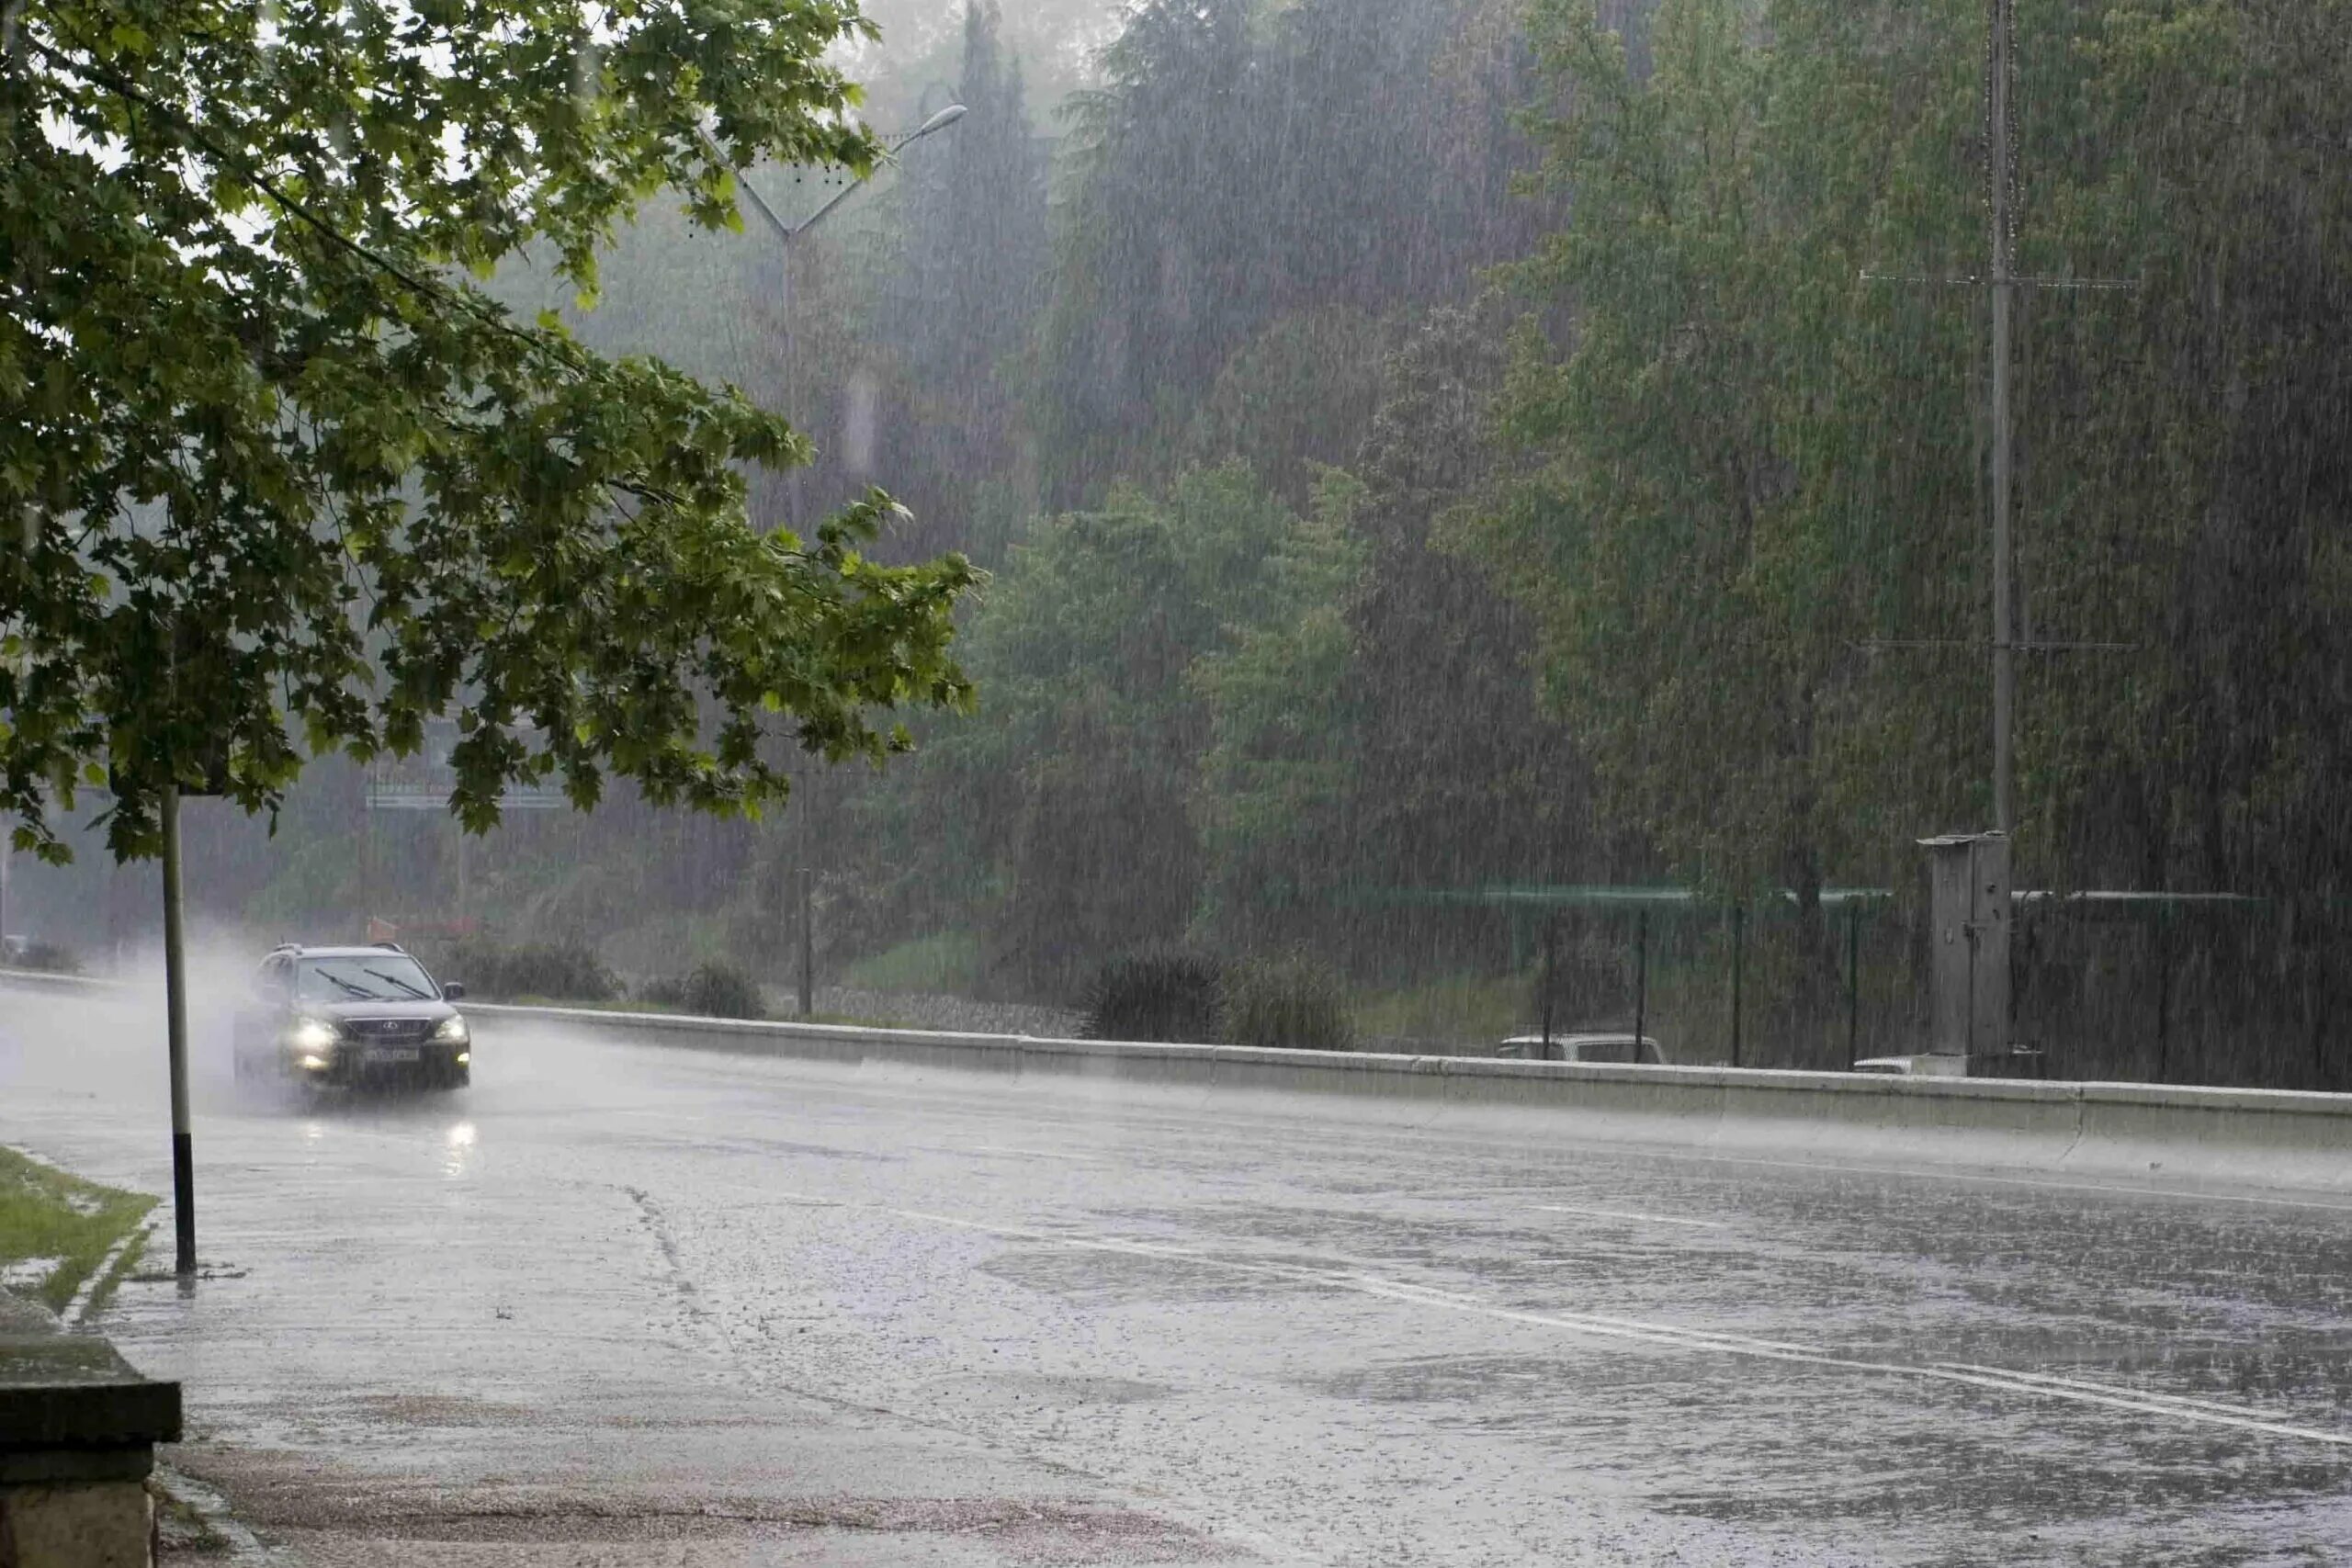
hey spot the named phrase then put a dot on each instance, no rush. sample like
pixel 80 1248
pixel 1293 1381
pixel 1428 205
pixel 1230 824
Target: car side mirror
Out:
pixel 453 991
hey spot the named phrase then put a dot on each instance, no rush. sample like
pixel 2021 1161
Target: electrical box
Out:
pixel 1968 880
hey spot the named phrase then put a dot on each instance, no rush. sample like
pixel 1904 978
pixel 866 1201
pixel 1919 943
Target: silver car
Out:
pixel 1618 1050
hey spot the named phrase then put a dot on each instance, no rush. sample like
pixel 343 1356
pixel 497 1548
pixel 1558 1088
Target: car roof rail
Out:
pixel 389 946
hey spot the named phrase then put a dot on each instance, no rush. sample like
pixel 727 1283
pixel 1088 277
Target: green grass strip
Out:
pixel 73 1224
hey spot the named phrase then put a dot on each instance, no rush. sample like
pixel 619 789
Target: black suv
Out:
pixel 350 1016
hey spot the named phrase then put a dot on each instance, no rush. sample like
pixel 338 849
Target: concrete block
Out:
pixel 101 1524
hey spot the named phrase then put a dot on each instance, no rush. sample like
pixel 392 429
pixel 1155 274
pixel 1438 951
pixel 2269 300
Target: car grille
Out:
pixel 390 1031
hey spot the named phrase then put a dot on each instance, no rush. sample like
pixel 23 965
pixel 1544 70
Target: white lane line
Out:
pixel 2181 1400
pixel 1925 1174
pixel 1599 1327
pixel 1628 1214
pixel 1030 1154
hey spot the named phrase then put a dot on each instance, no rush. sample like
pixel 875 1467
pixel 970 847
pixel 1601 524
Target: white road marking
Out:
pixel 2052 1380
pixel 1628 1214
pixel 1030 1154
pixel 2032 1385
pixel 1928 1174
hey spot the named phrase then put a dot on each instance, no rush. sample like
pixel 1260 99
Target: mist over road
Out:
pixel 617 1306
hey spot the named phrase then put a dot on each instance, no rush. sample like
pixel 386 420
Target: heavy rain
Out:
pixel 1322 782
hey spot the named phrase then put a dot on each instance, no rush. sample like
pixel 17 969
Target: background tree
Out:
pixel 1697 509
pixel 957 304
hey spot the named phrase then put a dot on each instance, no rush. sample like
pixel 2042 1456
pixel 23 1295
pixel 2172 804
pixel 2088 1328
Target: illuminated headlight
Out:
pixel 313 1036
pixel 314 1062
pixel 464 1058
pixel 452 1030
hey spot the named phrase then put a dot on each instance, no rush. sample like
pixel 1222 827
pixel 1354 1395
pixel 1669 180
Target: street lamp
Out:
pixel 786 234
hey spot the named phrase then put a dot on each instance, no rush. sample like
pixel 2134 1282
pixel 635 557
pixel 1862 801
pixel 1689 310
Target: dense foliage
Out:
pixel 560 971
pixel 708 991
pixel 1428 445
pixel 1156 994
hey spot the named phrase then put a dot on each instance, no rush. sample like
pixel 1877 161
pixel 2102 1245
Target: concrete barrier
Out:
pixel 2140 1133
pixel 78 1430
pixel 46 980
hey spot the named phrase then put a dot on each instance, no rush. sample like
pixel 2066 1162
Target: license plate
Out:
pixel 392 1055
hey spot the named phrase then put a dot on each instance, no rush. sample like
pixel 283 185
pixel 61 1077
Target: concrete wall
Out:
pixel 2137 1132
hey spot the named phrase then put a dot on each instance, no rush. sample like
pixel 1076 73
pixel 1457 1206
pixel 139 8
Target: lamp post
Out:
pixel 786 233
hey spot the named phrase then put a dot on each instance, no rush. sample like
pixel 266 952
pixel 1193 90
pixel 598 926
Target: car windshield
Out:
pixel 393 977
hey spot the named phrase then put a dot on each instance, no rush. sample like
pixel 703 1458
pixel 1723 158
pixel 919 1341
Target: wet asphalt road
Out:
pixel 635 1306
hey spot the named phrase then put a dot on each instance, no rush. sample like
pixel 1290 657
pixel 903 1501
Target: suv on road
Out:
pixel 349 1016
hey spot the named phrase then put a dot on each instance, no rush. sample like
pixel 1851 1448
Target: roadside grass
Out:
pixel 56 1229
pixel 1464 1009
pixel 182 1528
pixel 945 964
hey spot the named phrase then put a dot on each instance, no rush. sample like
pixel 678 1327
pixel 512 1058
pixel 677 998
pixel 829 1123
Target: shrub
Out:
pixel 711 990
pixel 1162 995
pixel 567 972
pixel 1287 1003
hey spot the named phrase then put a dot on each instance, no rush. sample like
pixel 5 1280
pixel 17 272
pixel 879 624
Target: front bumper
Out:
pixel 350 1063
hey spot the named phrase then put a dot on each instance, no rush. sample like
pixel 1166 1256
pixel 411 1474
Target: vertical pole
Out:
pixel 1550 942
pixel 7 849
pixel 2004 649
pixel 1641 980
pixel 791 401
pixel 1968 1039
pixel 176 1026
pixel 2163 998
pixel 807 949
pixel 1739 941
pixel 1853 978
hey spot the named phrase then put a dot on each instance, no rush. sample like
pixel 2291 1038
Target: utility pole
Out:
pixel 2004 283
pixel 1971 872
pixel 808 998
pixel 2005 650
pixel 786 234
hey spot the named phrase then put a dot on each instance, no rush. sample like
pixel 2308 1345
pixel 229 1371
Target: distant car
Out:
pixel 351 1017
pixel 1919 1066
pixel 1589 1048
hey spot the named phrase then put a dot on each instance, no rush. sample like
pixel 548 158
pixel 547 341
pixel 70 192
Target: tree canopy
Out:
pixel 285 481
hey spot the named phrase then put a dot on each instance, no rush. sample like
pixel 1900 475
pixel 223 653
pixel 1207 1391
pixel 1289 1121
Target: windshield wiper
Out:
pixel 362 992
pixel 396 980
